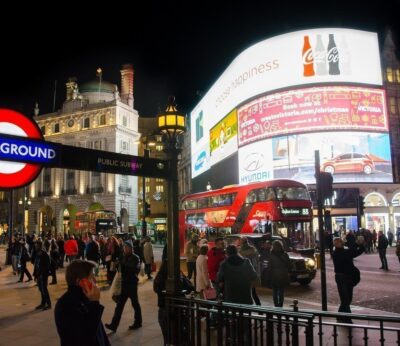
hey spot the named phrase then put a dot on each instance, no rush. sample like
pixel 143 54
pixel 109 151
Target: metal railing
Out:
pixel 201 322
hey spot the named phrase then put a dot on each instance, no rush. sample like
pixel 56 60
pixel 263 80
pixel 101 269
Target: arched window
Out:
pixel 396 200
pixel 375 199
pixel 102 119
pixel 86 123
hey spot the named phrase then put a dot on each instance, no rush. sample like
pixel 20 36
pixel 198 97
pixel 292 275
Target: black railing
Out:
pixel 200 322
pixel 97 189
pixel 47 193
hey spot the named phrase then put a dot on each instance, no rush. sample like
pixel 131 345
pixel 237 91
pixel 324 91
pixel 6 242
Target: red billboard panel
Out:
pixel 313 110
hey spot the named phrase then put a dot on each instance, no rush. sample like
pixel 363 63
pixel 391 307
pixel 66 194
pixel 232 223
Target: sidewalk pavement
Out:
pixel 21 325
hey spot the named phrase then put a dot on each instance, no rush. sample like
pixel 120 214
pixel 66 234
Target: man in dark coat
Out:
pixel 129 268
pixel 41 274
pixel 382 246
pixel 78 312
pixel 345 273
pixel 235 276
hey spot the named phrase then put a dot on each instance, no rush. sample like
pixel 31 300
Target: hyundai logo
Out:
pixel 200 160
pixel 253 162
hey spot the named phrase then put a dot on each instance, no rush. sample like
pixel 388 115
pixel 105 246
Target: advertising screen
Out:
pixel 312 110
pixel 328 55
pixel 349 156
pixel 223 138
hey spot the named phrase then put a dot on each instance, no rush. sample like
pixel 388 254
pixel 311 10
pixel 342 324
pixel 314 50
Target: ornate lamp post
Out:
pixel 26 202
pixel 171 124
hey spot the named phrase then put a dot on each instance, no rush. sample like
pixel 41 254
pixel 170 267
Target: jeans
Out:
pixel 277 293
pixel 42 285
pixel 345 287
pixel 14 262
pixel 125 294
pixel 382 256
pixel 191 267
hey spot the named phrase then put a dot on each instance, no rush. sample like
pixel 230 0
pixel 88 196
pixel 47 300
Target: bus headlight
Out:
pixel 310 263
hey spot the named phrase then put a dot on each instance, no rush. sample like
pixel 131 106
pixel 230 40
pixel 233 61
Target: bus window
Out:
pixel 202 203
pixel 292 193
pixel 262 195
pixel 251 197
pixel 270 194
pixel 190 204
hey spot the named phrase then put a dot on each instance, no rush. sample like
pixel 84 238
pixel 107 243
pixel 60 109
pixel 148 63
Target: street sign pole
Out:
pixel 321 232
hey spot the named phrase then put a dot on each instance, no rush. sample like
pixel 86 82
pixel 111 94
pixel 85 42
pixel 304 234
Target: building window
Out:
pixel 392 101
pixel 159 180
pixel 159 147
pixel 43 130
pixel 47 181
pixel 124 146
pixel 147 180
pixel 102 119
pixel 96 183
pixel 147 189
pixel 160 188
pixel 56 128
pixel 124 121
pixel 389 74
pixel 398 75
pixel 70 181
pixel 97 145
pixel 86 123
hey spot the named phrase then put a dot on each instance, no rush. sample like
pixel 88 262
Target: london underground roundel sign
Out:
pixel 17 174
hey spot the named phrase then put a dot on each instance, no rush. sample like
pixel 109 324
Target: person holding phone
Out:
pixel 78 312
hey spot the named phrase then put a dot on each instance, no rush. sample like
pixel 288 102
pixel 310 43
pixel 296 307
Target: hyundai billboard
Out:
pixel 304 86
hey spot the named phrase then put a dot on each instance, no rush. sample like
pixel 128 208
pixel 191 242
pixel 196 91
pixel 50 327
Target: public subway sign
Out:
pixel 23 153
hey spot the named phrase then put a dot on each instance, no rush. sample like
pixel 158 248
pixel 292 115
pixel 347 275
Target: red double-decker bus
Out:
pixel 281 207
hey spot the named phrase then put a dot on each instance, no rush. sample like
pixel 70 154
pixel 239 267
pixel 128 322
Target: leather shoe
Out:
pixel 110 327
pixel 46 307
pixel 29 280
pixel 135 326
pixel 39 307
pixel 53 283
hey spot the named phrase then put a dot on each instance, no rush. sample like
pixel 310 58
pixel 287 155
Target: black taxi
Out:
pixel 303 267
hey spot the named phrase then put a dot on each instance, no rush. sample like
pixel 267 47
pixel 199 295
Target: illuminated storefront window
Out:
pixel 392 105
pixel 389 74
pixel 398 75
pixel 377 222
pixel 375 200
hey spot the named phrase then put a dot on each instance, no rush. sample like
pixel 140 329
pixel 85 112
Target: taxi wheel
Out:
pixel 304 282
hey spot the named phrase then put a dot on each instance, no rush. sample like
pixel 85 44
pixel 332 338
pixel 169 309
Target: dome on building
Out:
pixel 94 86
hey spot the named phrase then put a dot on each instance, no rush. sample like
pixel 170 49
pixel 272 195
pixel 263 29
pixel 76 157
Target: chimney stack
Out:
pixel 70 87
pixel 127 84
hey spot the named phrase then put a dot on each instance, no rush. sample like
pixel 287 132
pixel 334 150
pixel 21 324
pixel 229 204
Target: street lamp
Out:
pixel 26 202
pixel 208 187
pixel 171 124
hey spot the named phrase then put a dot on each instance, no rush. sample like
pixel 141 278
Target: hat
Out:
pixel 128 243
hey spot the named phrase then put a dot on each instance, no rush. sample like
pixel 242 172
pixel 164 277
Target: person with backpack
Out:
pixel 347 275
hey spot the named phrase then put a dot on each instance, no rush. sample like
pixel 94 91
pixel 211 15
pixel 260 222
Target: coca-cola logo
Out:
pixel 333 55
pixel 308 57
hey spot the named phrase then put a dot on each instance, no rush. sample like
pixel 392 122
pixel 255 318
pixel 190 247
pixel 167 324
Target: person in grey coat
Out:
pixel 278 267
pixel 235 277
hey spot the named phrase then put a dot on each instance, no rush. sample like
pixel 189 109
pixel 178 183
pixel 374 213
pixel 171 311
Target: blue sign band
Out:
pixel 30 151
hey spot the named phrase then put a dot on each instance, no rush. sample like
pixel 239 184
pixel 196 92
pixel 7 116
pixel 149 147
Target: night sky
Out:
pixel 175 48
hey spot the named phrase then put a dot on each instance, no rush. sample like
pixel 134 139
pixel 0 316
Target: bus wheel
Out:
pixel 304 282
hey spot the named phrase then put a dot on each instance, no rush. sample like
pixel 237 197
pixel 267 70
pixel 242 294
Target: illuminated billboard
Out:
pixel 312 110
pixel 302 87
pixel 349 156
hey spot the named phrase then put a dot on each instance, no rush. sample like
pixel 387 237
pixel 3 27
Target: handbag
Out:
pixel 153 267
pixel 210 293
pixel 116 286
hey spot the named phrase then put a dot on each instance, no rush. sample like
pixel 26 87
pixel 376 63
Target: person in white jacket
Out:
pixel 202 279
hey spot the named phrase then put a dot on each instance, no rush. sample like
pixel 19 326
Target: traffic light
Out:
pixel 148 209
pixel 361 205
pixel 326 187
